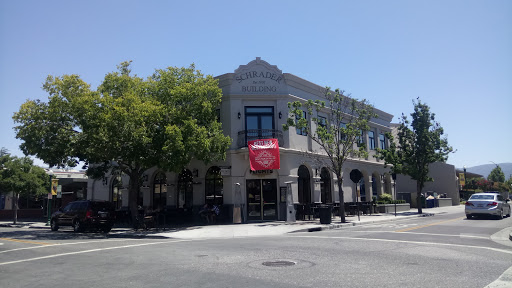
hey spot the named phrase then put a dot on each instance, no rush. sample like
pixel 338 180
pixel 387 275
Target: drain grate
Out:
pixel 278 263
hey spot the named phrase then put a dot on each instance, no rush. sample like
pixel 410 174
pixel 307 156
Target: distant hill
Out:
pixel 486 169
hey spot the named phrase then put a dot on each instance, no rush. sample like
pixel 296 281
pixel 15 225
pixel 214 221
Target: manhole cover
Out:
pixel 278 263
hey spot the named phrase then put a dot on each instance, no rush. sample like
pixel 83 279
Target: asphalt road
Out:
pixel 441 251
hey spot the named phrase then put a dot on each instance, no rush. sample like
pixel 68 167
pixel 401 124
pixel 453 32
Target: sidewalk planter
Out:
pixel 390 208
pixel 444 202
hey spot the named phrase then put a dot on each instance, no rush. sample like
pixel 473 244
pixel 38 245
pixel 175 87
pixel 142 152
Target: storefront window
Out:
pixel 362 190
pixel 304 185
pixel 325 186
pixel 214 186
pixel 185 189
pixel 374 188
pixel 159 191
pixel 117 199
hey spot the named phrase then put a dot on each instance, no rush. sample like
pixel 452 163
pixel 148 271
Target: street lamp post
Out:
pixel 49 212
pixel 394 188
pixel 465 179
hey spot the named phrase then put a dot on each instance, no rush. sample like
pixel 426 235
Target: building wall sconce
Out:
pixel 280 114
pixel 195 172
pixel 239 115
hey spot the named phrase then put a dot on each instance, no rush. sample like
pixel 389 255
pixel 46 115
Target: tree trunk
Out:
pixel 342 200
pixel 16 198
pixel 133 196
pixel 418 197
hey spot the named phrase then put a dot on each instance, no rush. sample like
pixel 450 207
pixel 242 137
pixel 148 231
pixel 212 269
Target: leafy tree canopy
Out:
pixel 128 124
pixel 336 125
pixel 496 175
pixel 419 143
pixel 20 176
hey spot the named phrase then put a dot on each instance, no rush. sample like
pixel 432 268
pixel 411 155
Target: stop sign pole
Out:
pixel 355 176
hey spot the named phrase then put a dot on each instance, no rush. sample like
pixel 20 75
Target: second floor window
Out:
pixel 360 138
pixel 301 131
pixel 259 122
pixel 343 136
pixel 371 140
pixel 322 122
pixel 382 140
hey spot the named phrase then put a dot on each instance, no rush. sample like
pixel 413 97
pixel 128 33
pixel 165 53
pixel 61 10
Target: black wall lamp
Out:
pixel 280 114
pixel 239 115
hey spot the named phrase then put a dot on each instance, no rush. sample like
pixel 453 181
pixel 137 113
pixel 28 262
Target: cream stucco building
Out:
pixel 255 106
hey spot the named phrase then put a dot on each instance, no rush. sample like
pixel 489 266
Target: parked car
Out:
pixel 85 214
pixel 493 204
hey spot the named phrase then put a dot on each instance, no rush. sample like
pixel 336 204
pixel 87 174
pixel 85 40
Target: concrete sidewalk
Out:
pixel 255 229
pixel 281 227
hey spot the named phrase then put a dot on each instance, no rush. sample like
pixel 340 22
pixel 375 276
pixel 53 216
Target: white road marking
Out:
pixel 447 235
pixel 410 242
pixel 64 244
pixel 89 251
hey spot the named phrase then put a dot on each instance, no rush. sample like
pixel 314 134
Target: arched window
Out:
pixel 386 185
pixel 375 193
pixel 325 186
pixel 117 199
pixel 213 186
pixel 159 191
pixel 185 189
pixel 362 190
pixel 304 185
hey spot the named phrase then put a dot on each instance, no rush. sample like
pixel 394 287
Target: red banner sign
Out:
pixel 264 154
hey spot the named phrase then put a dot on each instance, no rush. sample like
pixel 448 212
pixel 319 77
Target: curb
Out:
pixel 341 225
pixel 24 226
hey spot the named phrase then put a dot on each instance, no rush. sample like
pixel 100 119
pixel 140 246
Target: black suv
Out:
pixel 85 214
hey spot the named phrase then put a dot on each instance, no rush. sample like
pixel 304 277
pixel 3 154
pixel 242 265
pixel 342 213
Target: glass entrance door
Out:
pixel 262 199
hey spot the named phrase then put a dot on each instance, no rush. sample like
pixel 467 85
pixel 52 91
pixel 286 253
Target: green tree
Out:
pixel 127 125
pixel 419 143
pixel 508 184
pixel 338 134
pixel 496 175
pixel 22 178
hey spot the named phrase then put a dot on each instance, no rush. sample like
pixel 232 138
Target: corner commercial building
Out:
pixel 255 106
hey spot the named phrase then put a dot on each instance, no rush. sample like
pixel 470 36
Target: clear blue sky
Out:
pixel 455 55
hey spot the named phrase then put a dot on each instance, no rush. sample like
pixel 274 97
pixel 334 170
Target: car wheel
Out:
pixel 469 216
pixel 106 229
pixel 53 225
pixel 508 215
pixel 500 216
pixel 77 226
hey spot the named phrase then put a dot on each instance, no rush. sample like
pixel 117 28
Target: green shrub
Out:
pixel 385 197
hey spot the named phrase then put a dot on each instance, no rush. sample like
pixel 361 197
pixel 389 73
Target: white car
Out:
pixel 493 204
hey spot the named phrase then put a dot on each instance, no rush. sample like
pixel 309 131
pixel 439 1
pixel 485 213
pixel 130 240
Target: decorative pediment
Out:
pixel 258 77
